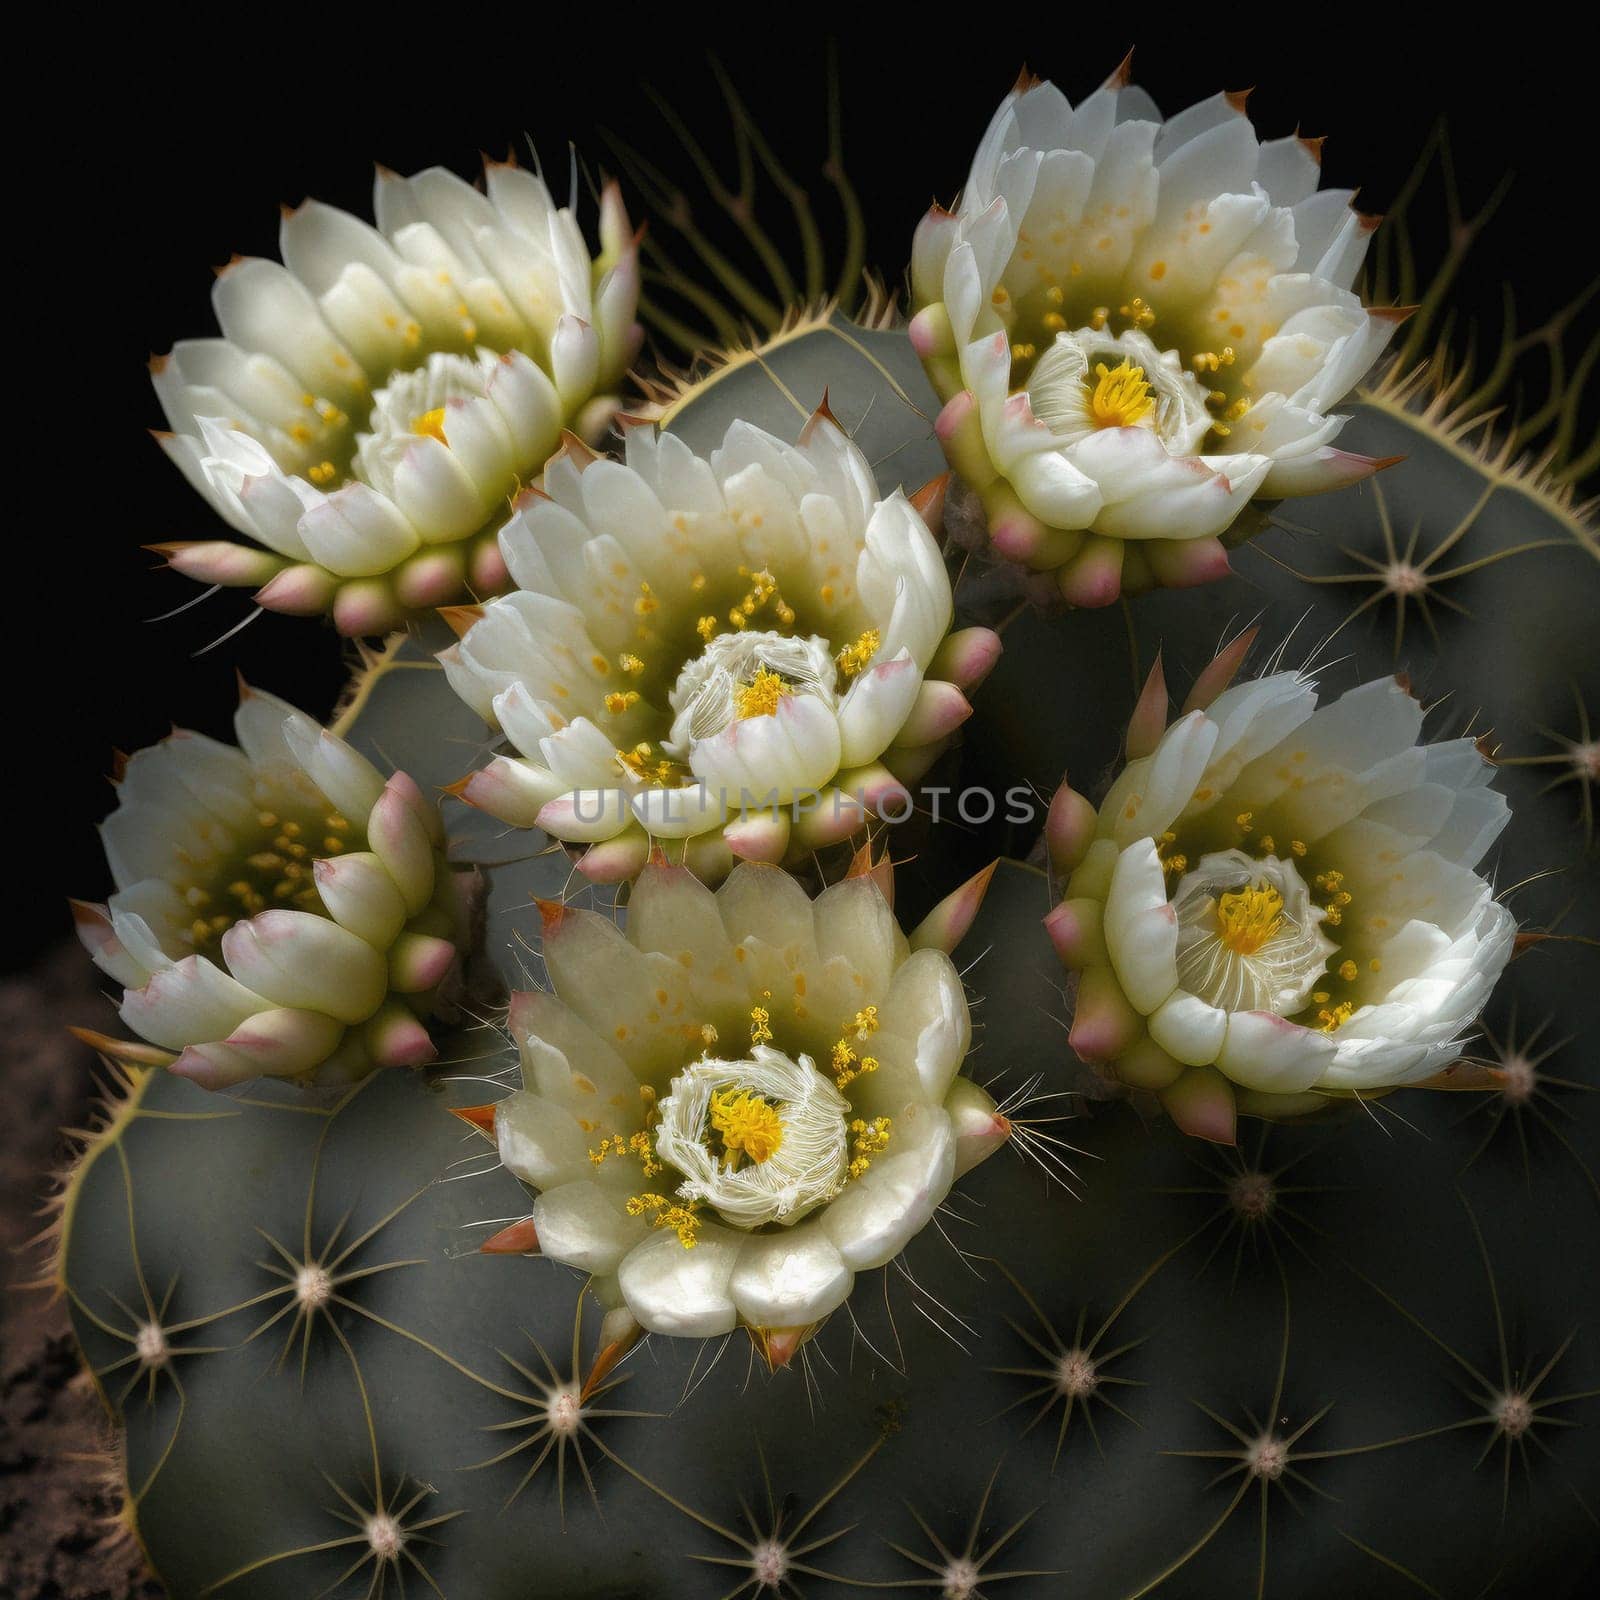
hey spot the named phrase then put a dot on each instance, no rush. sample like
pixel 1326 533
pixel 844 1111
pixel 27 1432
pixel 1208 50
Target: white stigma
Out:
pixel 961 1580
pixel 812 1157
pixel 704 699
pixel 1278 973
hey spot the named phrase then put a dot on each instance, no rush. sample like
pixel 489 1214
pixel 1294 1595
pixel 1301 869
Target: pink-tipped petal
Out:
pixel 397 1038
pixel 366 606
pixel 1187 563
pixel 1104 1024
pixel 430 578
pixel 946 925
pixel 418 962
pixel 1093 577
pixel 1220 673
pixel 966 657
pixel 1068 828
pixel 1201 1104
pixel 1075 931
pixel 299 591
pixel 1149 719
pixel 939 709
pixel 219 561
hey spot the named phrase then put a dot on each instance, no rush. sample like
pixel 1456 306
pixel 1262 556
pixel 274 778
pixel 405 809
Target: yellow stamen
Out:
pixel 759 697
pixel 1340 1014
pixel 760 1025
pixel 747 1125
pixel 637 1144
pixel 664 1214
pixel 855 656
pixel 1248 918
pixel 1122 397
pixel 1348 970
pixel 706 627
pixel 621 700
pixel 871 1138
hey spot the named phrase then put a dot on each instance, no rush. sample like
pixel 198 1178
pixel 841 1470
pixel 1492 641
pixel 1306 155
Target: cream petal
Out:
pixel 540 1141
pixel 789 1279
pixel 1263 1051
pixel 189 1002
pixel 1141 928
pixel 294 958
pixel 585 1225
pixel 683 1292
pixel 880 1212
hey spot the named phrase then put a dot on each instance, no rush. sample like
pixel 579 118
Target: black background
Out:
pixel 176 151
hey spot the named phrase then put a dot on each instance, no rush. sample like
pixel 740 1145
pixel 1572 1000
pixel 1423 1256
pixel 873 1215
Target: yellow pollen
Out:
pixel 621 700
pixel 760 1025
pixel 323 472
pixel 630 664
pixel 637 1144
pixel 747 1125
pixel 664 1214
pixel 855 656
pixel 759 697
pixel 706 627
pixel 1334 1018
pixel 430 425
pixel 871 1138
pixel 1121 397
pixel 1348 971
pixel 1248 918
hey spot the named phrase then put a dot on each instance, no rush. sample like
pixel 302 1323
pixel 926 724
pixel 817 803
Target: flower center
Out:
pixel 1248 918
pixel 760 696
pixel 413 405
pixel 747 1126
pixel 765 1139
pixel 1249 934
pixel 270 868
pixel 742 675
pixel 1121 396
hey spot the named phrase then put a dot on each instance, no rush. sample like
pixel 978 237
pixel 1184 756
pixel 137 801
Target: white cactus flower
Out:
pixel 280 910
pixel 1276 902
pixel 748 651
pixel 735 1106
pixel 1140 325
pixel 377 399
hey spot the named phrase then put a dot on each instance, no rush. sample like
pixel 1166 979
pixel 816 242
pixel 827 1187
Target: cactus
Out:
pixel 1354 1353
